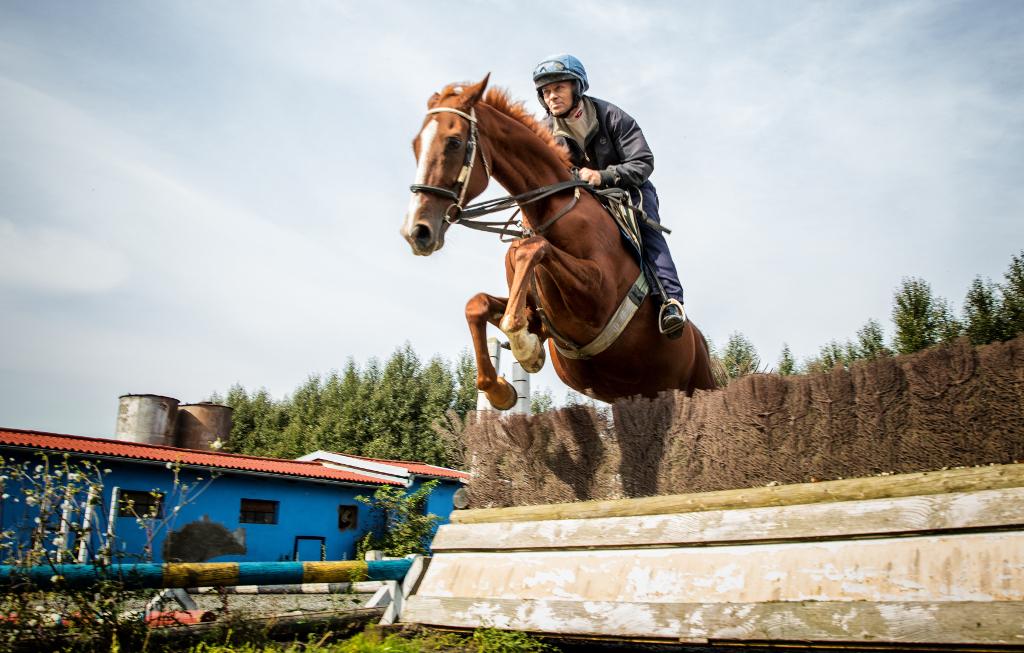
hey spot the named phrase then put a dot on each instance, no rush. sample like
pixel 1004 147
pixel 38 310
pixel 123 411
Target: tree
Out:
pixel 541 401
pixel 403 526
pixel 1012 310
pixel 787 364
pixel 983 312
pixel 740 357
pixel 257 421
pixel 870 342
pixel 465 384
pixel 387 412
pixel 921 319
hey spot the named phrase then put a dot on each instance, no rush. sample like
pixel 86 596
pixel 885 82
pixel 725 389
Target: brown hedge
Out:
pixel 951 405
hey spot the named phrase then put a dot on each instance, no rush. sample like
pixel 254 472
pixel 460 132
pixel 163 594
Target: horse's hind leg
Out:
pixel 481 309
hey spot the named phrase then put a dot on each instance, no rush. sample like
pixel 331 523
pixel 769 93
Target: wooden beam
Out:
pixel 955 622
pixel 960 567
pixel 836 520
pixel 970 479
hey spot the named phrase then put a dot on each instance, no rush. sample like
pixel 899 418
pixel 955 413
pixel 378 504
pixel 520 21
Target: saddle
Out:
pixel 628 217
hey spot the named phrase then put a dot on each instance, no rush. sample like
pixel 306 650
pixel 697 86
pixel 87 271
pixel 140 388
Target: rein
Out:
pixel 457 193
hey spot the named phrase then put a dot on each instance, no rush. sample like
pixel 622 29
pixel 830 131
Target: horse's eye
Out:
pixel 453 143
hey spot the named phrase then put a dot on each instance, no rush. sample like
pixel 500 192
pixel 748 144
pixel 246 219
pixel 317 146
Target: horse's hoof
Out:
pixel 535 364
pixel 504 396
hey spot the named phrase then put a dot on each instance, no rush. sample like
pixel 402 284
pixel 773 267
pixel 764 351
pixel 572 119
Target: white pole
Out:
pixel 65 524
pixel 521 382
pixel 115 496
pixel 83 539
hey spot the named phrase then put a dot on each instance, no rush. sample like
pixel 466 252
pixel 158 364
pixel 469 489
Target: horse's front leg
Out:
pixel 481 309
pixel 526 346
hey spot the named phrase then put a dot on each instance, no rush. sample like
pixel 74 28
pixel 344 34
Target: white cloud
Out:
pixel 57 260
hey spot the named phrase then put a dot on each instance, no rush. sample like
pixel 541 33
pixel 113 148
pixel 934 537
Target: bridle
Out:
pixel 457 193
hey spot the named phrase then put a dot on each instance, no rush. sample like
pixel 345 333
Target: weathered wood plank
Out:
pixel 971 622
pixel 933 513
pixel 902 485
pixel 961 567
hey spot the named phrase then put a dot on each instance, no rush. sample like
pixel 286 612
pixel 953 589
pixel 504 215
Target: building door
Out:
pixel 310 547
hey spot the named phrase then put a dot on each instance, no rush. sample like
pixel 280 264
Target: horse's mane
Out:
pixel 499 100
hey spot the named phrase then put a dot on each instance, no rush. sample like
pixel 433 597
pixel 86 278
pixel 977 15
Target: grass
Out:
pixel 372 640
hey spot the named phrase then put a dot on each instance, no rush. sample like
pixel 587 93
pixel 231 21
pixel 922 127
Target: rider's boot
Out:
pixel 672 318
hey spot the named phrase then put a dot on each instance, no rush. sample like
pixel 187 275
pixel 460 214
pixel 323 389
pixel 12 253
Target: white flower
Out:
pixel 168 465
pixel 39 468
pixel 5 496
pixel 31 501
pixel 38 521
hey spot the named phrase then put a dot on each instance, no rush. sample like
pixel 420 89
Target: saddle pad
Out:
pixel 619 205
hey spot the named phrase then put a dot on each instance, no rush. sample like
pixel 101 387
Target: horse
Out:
pixel 569 274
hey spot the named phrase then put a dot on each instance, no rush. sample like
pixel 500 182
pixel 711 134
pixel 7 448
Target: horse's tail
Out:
pixel 719 375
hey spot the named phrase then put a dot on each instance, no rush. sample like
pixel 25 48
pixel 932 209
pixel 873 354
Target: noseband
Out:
pixel 457 193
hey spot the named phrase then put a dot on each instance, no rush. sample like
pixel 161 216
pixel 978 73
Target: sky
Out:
pixel 198 194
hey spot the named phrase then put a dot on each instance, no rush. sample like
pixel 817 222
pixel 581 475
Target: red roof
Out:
pixel 158 453
pixel 420 469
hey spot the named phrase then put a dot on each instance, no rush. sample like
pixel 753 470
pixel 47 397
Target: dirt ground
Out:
pixel 951 405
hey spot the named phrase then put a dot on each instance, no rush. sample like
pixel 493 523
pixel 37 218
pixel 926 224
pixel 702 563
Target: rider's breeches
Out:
pixel 656 249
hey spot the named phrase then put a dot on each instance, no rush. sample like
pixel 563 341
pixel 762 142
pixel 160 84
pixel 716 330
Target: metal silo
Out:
pixel 201 425
pixel 148 419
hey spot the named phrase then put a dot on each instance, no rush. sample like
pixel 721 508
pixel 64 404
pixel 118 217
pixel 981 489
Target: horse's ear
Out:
pixel 472 94
pixel 433 100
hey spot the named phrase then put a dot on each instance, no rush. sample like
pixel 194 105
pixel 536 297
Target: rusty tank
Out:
pixel 204 425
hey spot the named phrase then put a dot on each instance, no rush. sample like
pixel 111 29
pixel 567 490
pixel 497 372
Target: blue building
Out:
pixel 174 503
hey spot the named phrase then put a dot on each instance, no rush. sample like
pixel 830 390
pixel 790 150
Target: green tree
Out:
pixel 787 364
pixel 921 319
pixel 257 421
pixel 465 384
pixel 541 401
pixel 870 342
pixel 983 312
pixel 1012 310
pixel 403 526
pixel 740 357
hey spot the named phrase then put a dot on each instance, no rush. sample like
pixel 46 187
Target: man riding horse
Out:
pixel 608 147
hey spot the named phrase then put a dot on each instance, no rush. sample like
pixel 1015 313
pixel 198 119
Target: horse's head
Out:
pixel 451 168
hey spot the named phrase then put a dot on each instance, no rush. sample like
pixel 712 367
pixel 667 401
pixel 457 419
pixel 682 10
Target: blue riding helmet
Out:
pixel 557 68
pixel 560 67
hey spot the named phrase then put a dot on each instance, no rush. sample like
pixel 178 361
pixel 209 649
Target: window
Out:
pixel 348 516
pixel 258 511
pixel 140 503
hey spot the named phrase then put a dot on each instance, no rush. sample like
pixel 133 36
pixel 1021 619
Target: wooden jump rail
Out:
pixel 931 559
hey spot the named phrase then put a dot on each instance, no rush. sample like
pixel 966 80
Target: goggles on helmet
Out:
pixel 548 67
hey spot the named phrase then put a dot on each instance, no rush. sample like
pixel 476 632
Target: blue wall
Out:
pixel 305 508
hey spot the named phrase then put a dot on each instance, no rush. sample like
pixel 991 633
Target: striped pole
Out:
pixel 204 574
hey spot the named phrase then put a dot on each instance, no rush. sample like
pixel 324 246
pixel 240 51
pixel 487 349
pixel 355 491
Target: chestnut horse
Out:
pixel 569 272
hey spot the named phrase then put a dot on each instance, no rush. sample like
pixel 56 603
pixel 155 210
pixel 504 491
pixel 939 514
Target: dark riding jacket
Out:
pixel 617 148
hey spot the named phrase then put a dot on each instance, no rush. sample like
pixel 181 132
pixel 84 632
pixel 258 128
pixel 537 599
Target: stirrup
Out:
pixel 674 331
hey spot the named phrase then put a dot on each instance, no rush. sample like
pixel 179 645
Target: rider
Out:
pixel 609 149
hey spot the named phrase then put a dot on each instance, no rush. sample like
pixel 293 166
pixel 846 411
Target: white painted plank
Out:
pixel 962 567
pixel 893 622
pixel 988 508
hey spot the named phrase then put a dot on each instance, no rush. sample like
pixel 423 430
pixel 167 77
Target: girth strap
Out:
pixel 611 332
